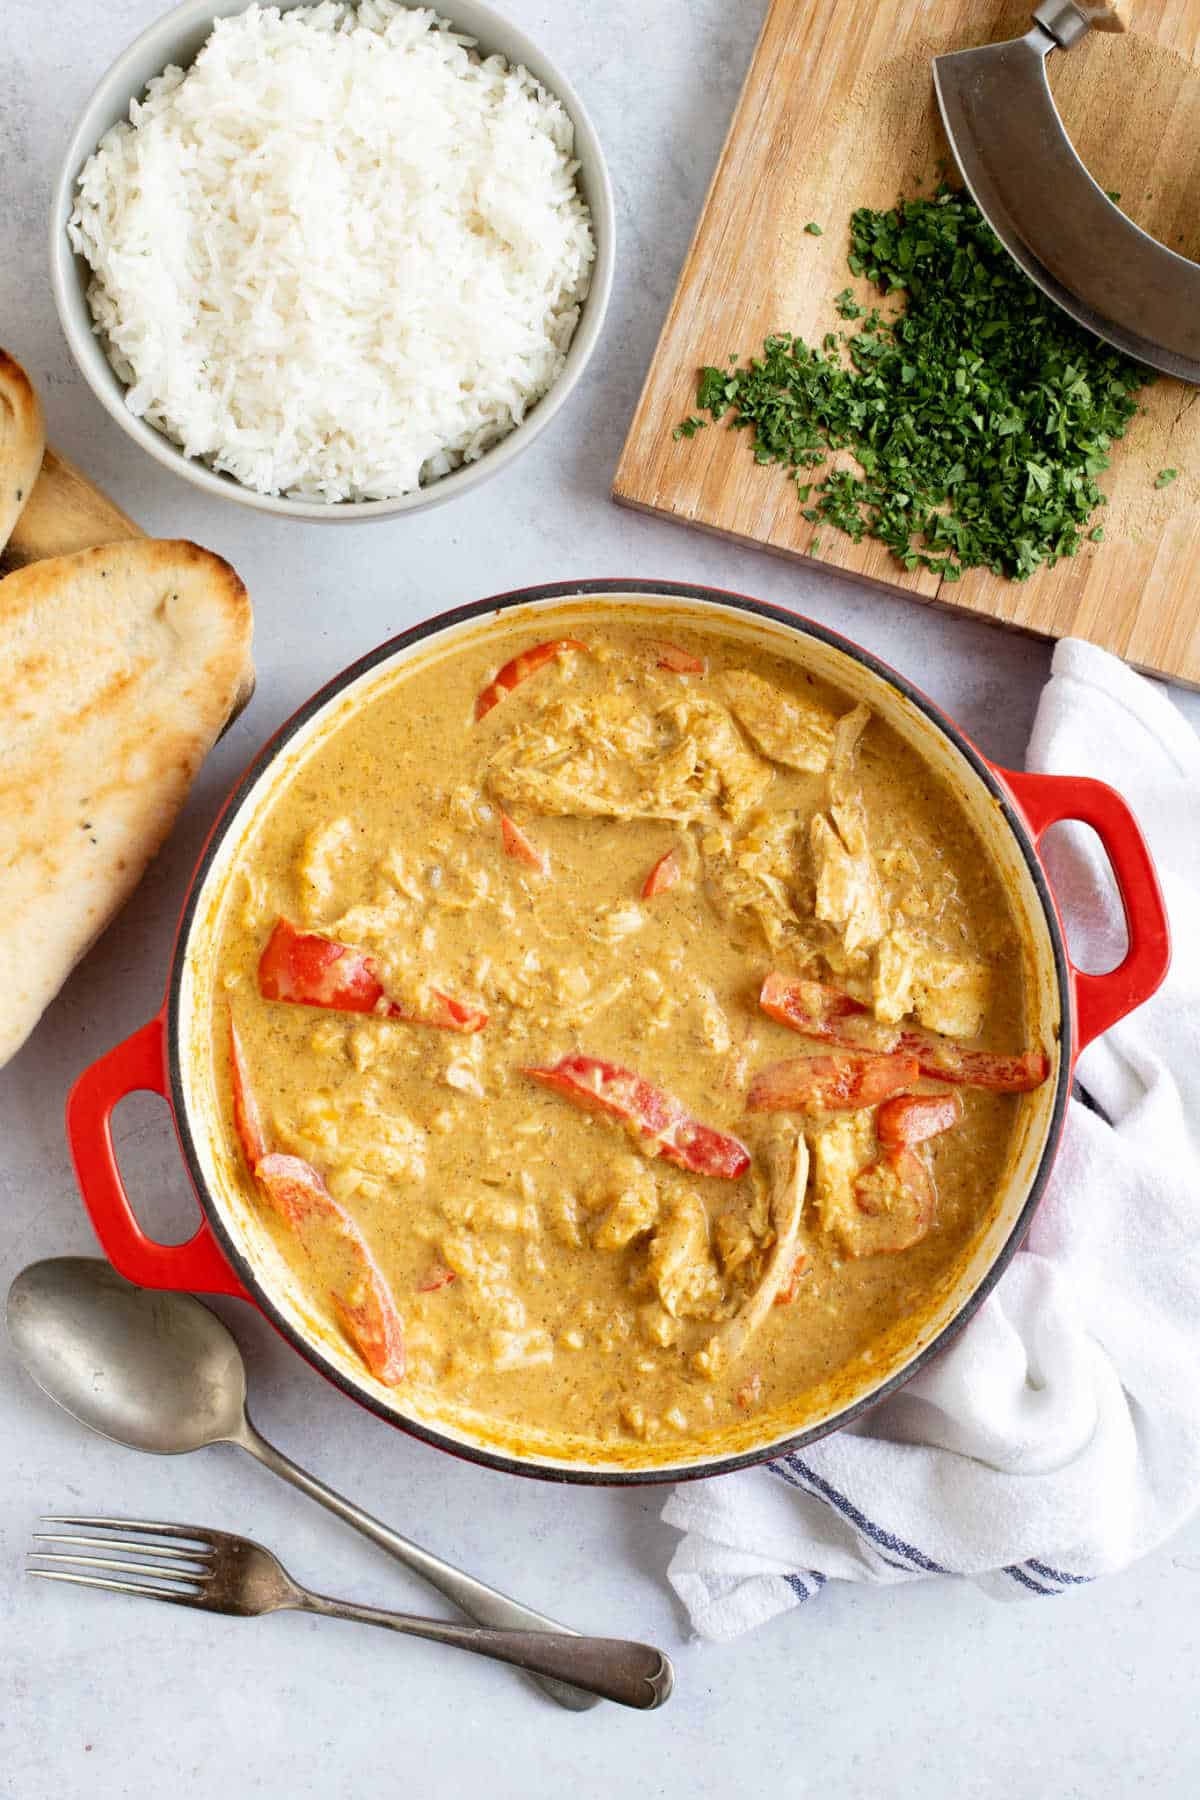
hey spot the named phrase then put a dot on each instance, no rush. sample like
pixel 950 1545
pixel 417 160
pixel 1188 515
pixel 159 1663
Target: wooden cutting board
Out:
pixel 838 111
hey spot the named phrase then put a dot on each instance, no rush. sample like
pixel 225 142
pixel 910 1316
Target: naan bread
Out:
pixel 64 513
pixel 119 667
pixel 22 441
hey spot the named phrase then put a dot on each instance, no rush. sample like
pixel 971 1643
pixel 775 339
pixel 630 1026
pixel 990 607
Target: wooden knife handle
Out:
pixel 64 513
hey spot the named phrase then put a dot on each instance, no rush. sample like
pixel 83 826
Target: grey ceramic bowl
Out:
pixel 177 38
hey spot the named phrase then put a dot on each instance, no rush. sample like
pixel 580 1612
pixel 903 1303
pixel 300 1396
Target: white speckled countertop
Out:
pixel 930 1688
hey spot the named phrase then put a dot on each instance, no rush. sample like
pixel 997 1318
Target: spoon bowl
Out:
pixel 156 1371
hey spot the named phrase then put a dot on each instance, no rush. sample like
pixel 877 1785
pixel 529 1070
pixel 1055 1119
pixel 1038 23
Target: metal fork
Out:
pixel 217 1571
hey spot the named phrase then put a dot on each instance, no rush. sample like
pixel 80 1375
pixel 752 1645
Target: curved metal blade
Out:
pixel 1064 231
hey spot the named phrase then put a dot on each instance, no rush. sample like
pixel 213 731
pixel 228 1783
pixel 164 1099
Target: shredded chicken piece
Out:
pixel 564 1220
pixel 795 731
pixel 788 1164
pixel 680 1264
pixel 627 1198
pixel 627 1218
pixel 725 767
pixel 486 1278
pixel 495 1212
pixel 848 896
pixel 736 1243
pixel 759 1213
pixel 849 893
pixel 841 1149
pixel 324 850
pixel 658 1327
pixel 847 734
pixel 896 963
pixel 755 872
pixel 714 1024
pixel 948 994
pixel 904 877
pixel 952 995
pixel 626 755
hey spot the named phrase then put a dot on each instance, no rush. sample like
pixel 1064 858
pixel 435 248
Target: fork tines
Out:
pixel 175 1570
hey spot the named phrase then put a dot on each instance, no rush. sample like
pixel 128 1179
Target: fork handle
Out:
pixel 486 1605
pixel 631 1674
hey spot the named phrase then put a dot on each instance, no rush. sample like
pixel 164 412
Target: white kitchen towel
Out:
pixel 1058 1437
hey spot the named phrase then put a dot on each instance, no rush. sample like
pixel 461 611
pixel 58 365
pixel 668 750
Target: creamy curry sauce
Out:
pixel 487 1244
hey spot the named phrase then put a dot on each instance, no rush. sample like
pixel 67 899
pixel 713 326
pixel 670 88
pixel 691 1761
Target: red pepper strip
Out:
pixel 449 1014
pixel 310 970
pixel 830 1083
pixel 817 1010
pixel 438 1277
pixel 520 669
pixel 521 848
pixel 791 1286
pixel 297 1193
pixel 294 1189
pixel 811 1007
pixel 898 1195
pixel 373 1326
pixel 663 875
pixel 944 1060
pixel 679 662
pixel 246 1117
pixel 659 1119
pixel 365 1305
pixel 912 1118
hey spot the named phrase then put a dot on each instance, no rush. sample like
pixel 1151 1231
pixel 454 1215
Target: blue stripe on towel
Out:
pixel 801 1487
pixel 799 1475
pixel 884 1540
pixel 1027 1581
pixel 1042 1568
pixel 799 1584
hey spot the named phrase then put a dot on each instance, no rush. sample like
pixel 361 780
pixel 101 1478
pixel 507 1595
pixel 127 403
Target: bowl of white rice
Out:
pixel 334 261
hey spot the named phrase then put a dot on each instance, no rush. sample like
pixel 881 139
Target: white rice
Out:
pixel 339 256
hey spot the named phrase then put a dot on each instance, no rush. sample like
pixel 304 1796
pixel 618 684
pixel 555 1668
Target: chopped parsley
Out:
pixel 978 415
pixel 1165 477
pixel 814 230
pixel 689 428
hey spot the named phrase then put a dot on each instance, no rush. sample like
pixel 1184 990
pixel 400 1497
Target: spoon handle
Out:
pixel 485 1605
pixel 611 1668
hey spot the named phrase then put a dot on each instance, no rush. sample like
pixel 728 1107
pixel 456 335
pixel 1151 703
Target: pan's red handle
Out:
pixel 1100 1000
pixel 135 1066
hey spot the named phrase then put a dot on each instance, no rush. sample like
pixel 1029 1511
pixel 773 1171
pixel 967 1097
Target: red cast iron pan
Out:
pixel 212 1262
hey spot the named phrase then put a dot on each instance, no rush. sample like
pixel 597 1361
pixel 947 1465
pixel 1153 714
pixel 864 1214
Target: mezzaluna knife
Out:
pixel 1054 219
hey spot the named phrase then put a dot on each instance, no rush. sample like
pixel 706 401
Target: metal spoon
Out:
pixel 160 1372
